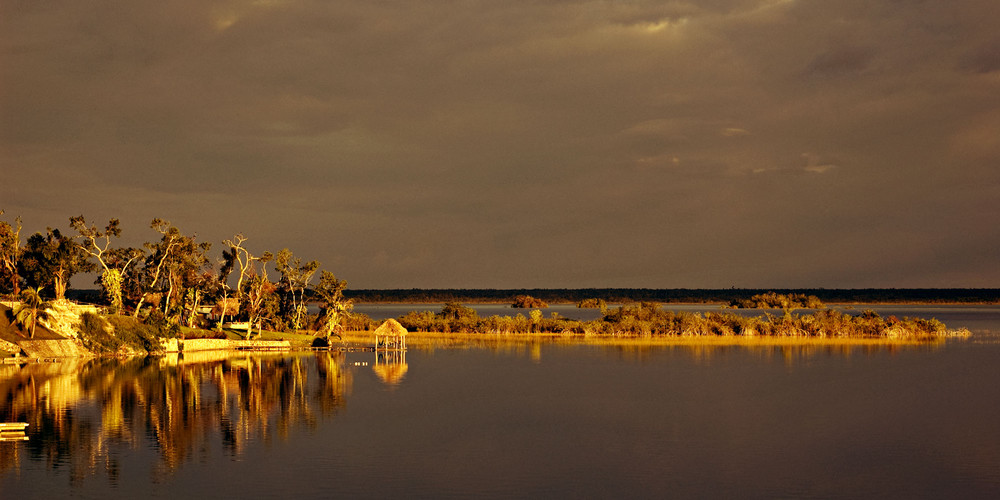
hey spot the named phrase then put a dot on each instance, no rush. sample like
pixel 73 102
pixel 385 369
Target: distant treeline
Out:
pixel 676 295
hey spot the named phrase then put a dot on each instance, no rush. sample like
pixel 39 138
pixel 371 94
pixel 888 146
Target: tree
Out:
pixel 185 272
pixel 199 287
pixel 128 276
pixel 155 268
pixel 114 263
pixel 239 255
pixel 259 291
pixel 536 319
pixel 51 260
pixel 528 302
pixel 295 278
pixel 335 307
pixel 10 252
pixel 31 309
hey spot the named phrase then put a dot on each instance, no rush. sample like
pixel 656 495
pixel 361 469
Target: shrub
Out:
pixel 359 322
pixel 772 300
pixel 592 304
pixel 204 334
pixel 136 334
pixel 528 302
pixel 94 334
pixel 165 328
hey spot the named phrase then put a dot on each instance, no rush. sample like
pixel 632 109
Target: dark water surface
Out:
pixel 519 420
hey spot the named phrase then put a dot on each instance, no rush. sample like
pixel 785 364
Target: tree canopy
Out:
pixel 174 277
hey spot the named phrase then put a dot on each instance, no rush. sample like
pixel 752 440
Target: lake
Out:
pixel 519 419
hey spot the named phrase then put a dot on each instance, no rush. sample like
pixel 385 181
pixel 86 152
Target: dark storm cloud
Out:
pixel 474 143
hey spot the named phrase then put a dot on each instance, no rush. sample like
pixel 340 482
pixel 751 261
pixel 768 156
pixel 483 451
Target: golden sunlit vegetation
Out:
pixel 592 303
pixel 528 302
pixel 650 320
pixel 172 287
pixel 173 281
pixel 675 295
pixel 772 300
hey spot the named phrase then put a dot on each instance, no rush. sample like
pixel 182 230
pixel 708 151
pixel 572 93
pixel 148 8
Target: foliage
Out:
pixel 335 309
pixel 142 334
pixel 772 300
pixel 648 319
pixel 10 253
pixel 292 285
pixel 528 302
pixel 94 334
pixel 197 333
pixel 50 261
pixel 359 322
pixel 114 262
pixel 30 310
pixel 168 282
pixel 458 312
pixel 160 325
pixel 592 303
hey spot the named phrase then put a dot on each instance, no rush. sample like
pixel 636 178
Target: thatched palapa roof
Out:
pixel 391 328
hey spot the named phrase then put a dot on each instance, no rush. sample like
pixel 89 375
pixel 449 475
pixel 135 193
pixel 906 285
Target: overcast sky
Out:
pixel 501 144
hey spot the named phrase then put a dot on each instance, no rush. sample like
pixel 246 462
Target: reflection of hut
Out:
pixel 390 336
pixel 390 366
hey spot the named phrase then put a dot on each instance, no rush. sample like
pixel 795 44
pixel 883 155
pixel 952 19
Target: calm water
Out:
pixel 516 420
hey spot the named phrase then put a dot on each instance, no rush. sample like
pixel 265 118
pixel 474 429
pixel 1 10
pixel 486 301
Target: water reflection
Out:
pixel 790 354
pixel 390 365
pixel 81 412
pixel 105 418
pixel 789 350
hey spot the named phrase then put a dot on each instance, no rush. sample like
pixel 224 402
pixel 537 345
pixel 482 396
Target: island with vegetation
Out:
pixel 528 302
pixel 772 300
pixel 646 320
pixel 172 291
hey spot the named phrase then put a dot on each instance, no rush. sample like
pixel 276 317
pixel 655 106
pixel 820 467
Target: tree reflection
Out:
pixel 81 412
pixel 789 353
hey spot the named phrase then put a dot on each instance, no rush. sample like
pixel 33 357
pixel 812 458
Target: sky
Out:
pixel 522 144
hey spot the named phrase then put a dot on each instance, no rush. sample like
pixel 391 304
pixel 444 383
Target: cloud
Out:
pixel 983 59
pixel 734 132
pixel 838 61
pixel 505 132
pixel 816 165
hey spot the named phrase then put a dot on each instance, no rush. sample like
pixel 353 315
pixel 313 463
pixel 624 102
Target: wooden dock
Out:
pixel 13 431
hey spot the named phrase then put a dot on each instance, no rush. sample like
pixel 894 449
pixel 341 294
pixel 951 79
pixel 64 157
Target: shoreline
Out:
pixel 421 339
pixel 633 324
